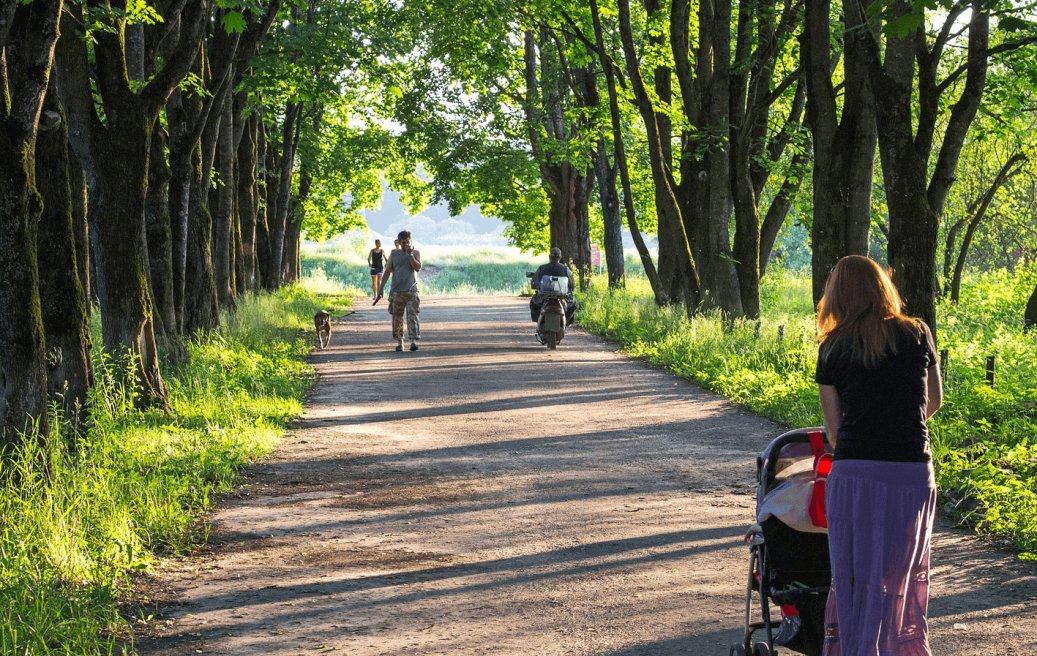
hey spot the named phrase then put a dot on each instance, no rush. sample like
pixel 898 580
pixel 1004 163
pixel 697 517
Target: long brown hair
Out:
pixel 860 311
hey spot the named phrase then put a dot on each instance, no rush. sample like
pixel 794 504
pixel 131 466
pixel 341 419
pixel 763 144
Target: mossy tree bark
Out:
pixel 158 220
pixel 27 36
pixel 115 146
pixel 247 201
pixel 225 218
pixel 62 300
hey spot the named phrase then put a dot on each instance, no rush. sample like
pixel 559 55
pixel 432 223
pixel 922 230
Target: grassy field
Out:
pixel 984 438
pixel 77 522
pixel 447 271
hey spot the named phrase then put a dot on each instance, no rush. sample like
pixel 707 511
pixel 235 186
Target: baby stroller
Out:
pixel 788 547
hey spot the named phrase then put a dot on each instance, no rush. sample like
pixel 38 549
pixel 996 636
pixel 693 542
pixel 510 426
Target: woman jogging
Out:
pixel 376 260
pixel 879 383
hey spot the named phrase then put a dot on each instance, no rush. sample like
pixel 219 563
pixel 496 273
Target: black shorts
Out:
pixel 376 272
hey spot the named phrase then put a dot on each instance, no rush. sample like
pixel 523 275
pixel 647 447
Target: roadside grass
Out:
pixel 984 438
pixel 78 521
pixel 448 271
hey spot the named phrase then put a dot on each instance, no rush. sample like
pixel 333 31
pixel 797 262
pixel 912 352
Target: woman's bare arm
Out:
pixel 934 389
pixel 385 277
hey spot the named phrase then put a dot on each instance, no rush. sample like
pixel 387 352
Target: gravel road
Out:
pixel 486 496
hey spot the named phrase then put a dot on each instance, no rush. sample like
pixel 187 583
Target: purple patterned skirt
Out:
pixel 880 522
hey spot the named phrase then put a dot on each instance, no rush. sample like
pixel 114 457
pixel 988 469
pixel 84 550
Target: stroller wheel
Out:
pixel 761 649
pixel 738 650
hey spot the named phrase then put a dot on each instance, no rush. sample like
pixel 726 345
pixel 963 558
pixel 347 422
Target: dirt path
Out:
pixel 457 501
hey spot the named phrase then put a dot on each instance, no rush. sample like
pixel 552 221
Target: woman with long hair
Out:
pixel 879 383
pixel 376 260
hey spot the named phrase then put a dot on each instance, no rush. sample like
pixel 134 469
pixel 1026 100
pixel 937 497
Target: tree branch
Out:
pixel 1008 46
pixel 156 92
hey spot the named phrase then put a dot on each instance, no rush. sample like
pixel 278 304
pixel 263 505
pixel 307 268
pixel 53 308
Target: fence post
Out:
pixel 990 370
pixel 943 362
pixel 781 332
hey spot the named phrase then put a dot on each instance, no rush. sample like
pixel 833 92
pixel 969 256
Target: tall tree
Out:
pixel 619 150
pixel 567 179
pixel 843 134
pixel 705 162
pixel 678 274
pixel 763 36
pixel 114 146
pixel 27 35
pixel 62 300
pixel 904 64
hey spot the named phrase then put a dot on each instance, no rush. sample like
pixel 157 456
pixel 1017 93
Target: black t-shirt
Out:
pixel 883 406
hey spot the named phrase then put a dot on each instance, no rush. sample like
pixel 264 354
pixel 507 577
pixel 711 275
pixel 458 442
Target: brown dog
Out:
pixel 322 322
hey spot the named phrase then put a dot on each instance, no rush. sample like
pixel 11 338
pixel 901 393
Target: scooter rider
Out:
pixel 553 268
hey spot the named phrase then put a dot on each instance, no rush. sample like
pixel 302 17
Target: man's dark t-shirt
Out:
pixel 883 407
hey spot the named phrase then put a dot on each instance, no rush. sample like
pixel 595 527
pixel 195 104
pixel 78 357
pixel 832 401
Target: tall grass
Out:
pixel 78 520
pixel 984 439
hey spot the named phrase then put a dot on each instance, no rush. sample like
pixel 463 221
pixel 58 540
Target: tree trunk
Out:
pixel 267 199
pixel 609 198
pixel 264 236
pixel 62 302
pixel 27 36
pixel 715 46
pixel 671 224
pixel 621 164
pixel 1030 314
pixel 279 225
pixel 202 306
pixel 224 213
pixel 292 238
pixel 568 216
pixel 117 201
pixel 905 81
pixel 844 147
pixel 77 180
pixel 1000 179
pixel 246 192
pixel 116 148
pixel 180 112
pixel 160 234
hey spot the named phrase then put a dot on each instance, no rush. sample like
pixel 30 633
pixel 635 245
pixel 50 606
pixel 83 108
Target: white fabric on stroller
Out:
pixel 789 501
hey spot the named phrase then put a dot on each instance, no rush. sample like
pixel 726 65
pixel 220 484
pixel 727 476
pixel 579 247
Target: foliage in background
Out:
pixel 76 522
pixel 984 438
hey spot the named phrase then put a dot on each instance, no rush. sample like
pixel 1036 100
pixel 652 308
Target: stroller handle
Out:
pixel 767 462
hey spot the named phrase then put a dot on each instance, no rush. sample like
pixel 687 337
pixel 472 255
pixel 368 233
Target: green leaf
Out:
pixel 1015 24
pixel 234 22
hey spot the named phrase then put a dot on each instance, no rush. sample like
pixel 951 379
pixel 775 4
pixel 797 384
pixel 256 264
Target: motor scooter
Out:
pixel 554 292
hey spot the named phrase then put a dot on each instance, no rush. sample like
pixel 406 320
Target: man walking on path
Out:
pixel 403 265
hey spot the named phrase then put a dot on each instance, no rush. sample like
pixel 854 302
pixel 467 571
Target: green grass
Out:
pixel 447 272
pixel 77 522
pixel 984 438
